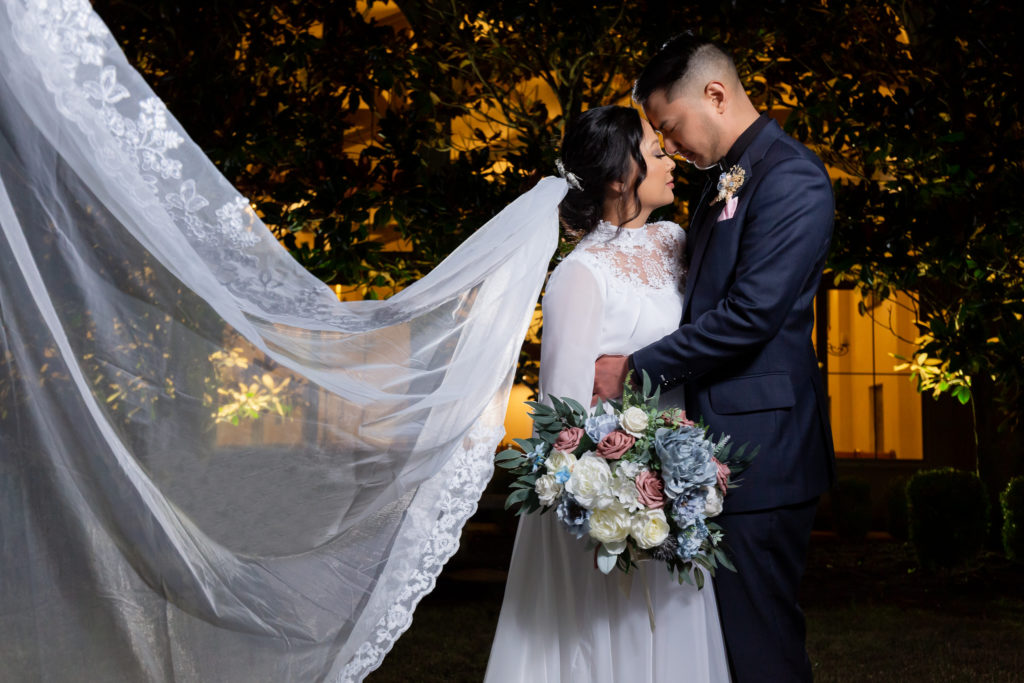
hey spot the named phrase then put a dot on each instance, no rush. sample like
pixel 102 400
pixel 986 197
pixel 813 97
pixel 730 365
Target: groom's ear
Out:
pixel 716 94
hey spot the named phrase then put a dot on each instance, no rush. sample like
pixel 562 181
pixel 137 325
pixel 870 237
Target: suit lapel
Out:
pixel 700 210
pixel 705 218
pixel 702 235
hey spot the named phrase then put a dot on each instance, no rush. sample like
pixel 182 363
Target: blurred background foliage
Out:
pixel 373 137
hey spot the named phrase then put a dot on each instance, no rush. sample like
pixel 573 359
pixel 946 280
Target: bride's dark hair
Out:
pixel 600 146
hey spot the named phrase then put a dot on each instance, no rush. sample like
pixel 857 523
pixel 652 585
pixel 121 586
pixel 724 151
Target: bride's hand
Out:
pixel 609 376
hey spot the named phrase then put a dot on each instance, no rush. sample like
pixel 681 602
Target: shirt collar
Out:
pixel 743 141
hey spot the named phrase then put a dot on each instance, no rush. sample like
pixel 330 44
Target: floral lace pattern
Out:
pixel 139 150
pixel 649 257
pixel 465 475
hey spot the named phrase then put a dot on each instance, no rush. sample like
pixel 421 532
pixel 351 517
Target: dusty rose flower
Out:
pixel 650 490
pixel 613 446
pixel 568 439
pixel 722 476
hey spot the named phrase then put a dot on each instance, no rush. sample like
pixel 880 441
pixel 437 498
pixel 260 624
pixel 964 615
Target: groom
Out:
pixel 756 247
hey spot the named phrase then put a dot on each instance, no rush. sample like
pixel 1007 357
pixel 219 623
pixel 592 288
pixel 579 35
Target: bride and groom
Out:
pixel 721 319
pixel 132 534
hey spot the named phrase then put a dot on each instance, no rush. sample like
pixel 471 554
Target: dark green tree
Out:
pixel 914 103
pixel 918 103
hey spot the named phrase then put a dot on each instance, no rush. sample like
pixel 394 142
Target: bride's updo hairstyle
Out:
pixel 600 146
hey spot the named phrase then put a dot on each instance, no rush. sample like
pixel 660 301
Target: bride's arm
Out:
pixel 573 309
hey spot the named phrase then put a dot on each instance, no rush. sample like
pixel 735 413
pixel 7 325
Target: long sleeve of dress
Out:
pixel 573 316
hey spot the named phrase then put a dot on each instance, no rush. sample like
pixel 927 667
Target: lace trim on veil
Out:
pixel 467 472
pixel 135 140
pixel 136 150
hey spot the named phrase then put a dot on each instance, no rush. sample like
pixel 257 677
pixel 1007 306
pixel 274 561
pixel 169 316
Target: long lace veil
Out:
pixel 210 469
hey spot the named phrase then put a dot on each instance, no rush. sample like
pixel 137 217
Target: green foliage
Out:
pixel 851 507
pixel 949 516
pixel 1012 500
pixel 337 124
pixel 459 108
pixel 918 104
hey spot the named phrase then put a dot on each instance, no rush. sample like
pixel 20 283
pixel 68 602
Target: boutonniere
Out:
pixel 729 183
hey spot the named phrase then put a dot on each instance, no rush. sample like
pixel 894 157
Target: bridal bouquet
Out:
pixel 636 481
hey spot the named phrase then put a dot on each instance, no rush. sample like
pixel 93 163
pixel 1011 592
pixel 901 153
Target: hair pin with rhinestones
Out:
pixel 569 176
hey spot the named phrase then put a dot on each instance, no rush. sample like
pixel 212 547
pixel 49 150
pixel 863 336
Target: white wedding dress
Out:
pixel 562 620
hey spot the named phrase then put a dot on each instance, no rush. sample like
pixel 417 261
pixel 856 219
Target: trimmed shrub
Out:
pixel 949 516
pixel 896 507
pixel 851 507
pixel 1012 500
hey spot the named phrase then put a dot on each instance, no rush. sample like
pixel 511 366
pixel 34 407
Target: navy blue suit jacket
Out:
pixel 743 350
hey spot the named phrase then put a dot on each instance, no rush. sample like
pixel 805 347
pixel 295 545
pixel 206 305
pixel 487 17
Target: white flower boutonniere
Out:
pixel 729 183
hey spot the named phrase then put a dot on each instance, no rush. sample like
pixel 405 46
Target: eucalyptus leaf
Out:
pixel 526 444
pixel 605 560
pixel 508 454
pixel 575 406
pixel 723 559
pixel 517 496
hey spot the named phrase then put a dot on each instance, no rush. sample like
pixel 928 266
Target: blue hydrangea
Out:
pixel 686 463
pixel 562 475
pixel 574 516
pixel 690 540
pixel 687 510
pixel 600 426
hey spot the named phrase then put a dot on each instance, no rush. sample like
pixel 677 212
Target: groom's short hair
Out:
pixel 682 62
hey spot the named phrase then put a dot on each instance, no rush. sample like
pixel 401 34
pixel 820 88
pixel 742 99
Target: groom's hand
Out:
pixel 609 376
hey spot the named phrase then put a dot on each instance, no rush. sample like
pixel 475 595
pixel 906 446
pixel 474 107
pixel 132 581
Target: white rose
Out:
pixel 713 503
pixel 559 460
pixel 649 528
pixel 633 421
pixel 590 482
pixel 610 526
pixel 548 489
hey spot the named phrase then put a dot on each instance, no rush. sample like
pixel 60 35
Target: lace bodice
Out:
pixel 618 291
pixel 650 256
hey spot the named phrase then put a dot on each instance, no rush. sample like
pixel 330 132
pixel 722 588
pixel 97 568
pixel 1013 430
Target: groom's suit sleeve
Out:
pixel 784 241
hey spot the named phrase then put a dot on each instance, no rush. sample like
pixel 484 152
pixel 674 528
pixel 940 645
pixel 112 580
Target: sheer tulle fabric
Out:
pixel 210 469
pixel 562 620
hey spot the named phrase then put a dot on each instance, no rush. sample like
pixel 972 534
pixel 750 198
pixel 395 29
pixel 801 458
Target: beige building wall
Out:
pixel 875 411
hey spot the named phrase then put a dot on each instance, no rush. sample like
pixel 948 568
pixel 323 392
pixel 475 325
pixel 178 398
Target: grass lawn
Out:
pixel 871 616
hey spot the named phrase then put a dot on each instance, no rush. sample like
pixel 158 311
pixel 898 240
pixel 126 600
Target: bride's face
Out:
pixel 656 188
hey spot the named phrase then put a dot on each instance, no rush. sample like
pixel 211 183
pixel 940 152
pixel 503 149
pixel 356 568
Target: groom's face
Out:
pixel 686 125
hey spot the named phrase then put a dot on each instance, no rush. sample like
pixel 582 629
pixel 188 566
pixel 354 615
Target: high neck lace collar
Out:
pixel 607 231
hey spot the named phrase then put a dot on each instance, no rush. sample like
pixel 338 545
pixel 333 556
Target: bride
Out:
pixel 619 290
